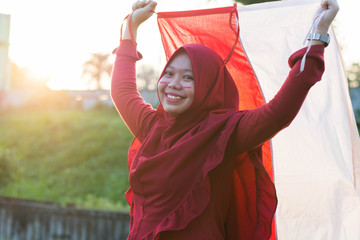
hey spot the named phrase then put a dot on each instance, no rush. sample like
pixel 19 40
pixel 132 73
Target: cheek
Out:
pixel 188 86
pixel 190 90
pixel 161 85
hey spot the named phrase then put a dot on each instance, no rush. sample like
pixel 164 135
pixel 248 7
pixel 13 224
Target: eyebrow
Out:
pixel 185 69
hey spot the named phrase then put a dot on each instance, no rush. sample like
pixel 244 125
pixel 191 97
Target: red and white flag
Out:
pixel 315 162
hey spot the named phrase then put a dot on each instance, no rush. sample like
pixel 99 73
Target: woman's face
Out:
pixel 176 86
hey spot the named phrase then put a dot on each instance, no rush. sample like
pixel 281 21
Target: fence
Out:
pixel 33 220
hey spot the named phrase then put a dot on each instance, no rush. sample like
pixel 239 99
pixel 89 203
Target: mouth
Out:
pixel 173 98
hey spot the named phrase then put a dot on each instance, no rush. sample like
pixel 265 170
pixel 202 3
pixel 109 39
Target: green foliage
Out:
pixel 147 77
pixel 67 156
pixel 8 164
pixel 247 2
pixel 354 75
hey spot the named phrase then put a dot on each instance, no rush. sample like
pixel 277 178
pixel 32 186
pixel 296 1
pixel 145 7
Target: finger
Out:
pixel 148 2
pixel 134 6
pixel 151 5
pixel 324 4
pixel 138 4
pixel 141 3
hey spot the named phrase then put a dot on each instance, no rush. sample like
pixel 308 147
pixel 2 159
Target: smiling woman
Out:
pixel 196 164
pixel 176 86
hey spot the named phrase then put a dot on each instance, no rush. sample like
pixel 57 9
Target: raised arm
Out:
pixel 261 124
pixel 132 108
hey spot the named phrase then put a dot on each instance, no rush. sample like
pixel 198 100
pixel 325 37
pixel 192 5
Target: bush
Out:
pixel 8 163
pixel 65 156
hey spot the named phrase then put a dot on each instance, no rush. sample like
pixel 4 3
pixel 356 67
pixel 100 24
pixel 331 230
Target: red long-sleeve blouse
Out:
pixel 252 130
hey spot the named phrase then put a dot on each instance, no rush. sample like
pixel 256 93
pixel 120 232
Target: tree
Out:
pixel 97 67
pixel 147 77
pixel 354 75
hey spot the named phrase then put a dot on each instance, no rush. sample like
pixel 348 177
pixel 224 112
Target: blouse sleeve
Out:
pixel 128 102
pixel 262 123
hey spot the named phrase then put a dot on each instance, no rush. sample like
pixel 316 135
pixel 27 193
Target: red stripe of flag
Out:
pixel 214 28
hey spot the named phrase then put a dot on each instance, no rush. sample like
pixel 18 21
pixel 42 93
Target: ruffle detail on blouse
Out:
pixel 260 208
pixel 188 210
pixel 198 198
pixel 192 206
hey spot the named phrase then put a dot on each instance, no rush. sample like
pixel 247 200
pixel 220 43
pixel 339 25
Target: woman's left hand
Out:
pixel 331 8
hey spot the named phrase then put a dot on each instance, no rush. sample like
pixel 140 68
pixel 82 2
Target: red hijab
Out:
pixel 170 160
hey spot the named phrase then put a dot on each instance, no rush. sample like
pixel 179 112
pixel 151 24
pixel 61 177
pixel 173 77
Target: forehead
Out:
pixel 181 61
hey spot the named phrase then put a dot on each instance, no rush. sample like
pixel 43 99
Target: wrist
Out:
pixel 134 29
pixel 322 30
pixel 319 38
pixel 126 33
pixel 130 29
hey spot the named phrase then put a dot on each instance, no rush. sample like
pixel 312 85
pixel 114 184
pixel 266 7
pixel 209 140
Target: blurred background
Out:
pixel 61 140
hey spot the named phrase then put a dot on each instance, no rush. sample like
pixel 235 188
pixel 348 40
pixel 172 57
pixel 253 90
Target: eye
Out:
pixel 188 78
pixel 168 73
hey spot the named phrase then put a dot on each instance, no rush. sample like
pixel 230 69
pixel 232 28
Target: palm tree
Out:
pixel 97 67
pixel 147 77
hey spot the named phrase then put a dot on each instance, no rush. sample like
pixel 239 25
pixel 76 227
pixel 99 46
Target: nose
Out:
pixel 175 82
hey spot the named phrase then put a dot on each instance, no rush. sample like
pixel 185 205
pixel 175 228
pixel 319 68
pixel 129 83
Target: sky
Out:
pixel 54 38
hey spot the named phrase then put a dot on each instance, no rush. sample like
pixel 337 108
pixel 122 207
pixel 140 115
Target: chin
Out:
pixel 172 112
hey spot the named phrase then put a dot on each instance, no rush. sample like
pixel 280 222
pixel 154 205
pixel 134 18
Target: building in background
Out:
pixel 4 52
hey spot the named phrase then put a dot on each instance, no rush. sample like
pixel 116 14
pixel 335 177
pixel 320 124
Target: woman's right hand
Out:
pixel 142 10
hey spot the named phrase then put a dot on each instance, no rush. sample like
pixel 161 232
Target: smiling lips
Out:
pixel 172 97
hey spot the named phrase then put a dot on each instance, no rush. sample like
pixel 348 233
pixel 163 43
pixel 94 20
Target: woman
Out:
pixel 195 168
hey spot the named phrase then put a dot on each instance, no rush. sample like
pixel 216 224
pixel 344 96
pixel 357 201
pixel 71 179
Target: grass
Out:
pixel 65 156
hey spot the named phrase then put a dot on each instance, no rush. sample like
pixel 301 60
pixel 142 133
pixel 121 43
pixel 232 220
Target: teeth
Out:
pixel 174 97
